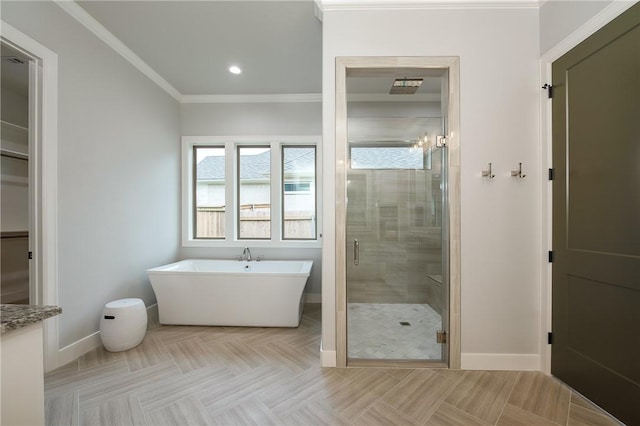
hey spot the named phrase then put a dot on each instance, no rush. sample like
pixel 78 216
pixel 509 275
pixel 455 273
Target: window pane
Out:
pixel 388 157
pixel 209 192
pixel 299 187
pixel 254 192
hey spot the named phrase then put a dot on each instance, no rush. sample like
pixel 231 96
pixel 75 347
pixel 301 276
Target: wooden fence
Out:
pixel 255 222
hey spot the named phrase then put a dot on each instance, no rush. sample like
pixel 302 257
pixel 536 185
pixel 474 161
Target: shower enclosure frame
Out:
pixel 451 233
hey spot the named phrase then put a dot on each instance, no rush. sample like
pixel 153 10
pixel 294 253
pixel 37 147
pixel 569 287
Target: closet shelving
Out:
pixel 15 141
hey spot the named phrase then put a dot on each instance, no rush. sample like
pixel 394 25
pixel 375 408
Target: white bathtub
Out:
pixel 267 293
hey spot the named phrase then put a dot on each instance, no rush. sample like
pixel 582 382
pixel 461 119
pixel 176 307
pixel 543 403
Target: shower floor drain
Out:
pixel 405 323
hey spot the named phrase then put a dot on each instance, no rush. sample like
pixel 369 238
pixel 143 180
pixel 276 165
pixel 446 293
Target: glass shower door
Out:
pixel 396 270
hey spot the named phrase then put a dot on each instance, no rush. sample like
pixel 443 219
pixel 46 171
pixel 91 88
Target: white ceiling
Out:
pixel 191 44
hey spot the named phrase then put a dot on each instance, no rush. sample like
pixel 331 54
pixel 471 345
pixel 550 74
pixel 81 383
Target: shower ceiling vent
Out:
pixel 405 86
pixel 13 59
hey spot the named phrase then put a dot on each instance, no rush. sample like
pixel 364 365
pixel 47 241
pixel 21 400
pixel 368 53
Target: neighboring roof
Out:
pixel 302 161
pixel 257 166
pixel 386 158
pixel 211 168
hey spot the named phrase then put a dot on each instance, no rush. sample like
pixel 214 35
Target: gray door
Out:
pixel 596 217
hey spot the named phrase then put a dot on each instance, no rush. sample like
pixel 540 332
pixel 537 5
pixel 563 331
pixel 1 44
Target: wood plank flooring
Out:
pixel 268 376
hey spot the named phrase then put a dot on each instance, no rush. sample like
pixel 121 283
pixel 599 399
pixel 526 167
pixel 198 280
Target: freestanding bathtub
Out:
pixel 230 292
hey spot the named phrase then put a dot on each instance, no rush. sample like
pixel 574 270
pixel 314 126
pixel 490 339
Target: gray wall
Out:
pixel 118 161
pixel 263 119
pixel 221 119
pixel 558 19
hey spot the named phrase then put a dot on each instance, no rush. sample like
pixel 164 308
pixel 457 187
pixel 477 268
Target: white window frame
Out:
pixel 231 143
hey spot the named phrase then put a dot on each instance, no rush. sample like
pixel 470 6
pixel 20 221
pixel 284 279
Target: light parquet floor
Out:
pixel 268 376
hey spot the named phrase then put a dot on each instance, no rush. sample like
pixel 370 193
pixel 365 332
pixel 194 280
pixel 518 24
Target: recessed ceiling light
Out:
pixel 234 69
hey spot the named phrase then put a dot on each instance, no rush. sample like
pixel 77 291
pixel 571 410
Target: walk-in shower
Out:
pixel 396 286
pixel 394 223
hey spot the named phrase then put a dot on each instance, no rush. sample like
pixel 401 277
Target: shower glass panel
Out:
pixel 397 298
pixel 394 262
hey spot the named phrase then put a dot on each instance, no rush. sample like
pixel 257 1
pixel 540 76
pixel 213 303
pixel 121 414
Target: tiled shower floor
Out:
pixel 375 331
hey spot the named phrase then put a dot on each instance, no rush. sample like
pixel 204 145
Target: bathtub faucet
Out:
pixel 246 254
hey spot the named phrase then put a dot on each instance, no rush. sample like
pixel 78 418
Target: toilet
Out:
pixel 123 324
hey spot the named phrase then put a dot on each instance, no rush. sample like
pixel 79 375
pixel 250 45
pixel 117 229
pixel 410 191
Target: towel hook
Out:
pixel 488 173
pixel 518 173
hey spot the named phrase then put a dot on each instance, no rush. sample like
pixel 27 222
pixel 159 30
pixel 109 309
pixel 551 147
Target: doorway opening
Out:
pixel 15 204
pixel 396 267
pixel 42 135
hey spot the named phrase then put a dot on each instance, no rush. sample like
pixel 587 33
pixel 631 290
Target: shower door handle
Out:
pixel 356 252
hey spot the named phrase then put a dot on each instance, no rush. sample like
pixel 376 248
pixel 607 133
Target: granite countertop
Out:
pixel 13 317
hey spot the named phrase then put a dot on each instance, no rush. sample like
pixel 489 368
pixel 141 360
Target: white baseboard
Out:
pixel 313 298
pixel 80 347
pixel 327 358
pixel 520 362
pixel 152 316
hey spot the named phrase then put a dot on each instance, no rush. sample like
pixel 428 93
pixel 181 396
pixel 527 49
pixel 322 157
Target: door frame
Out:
pixel 43 178
pixel 452 64
pixel 606 15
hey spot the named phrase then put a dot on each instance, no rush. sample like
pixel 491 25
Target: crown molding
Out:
pixel 95 27
pixel 248 99
pixel 90 23
pixel 331 5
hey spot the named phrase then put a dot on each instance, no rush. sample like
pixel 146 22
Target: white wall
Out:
pixel 498 52
pixel 558 19
pixel 222 119
pixel 260 119
pixel 118 162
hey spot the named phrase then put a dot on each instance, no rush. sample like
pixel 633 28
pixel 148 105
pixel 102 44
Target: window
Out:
pixel 299 200
pixel 209 187
pixel 248 191
pixel 387 157
pixel 254 192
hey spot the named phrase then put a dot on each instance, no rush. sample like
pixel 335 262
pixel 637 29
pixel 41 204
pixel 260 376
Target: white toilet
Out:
pixel 123 324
